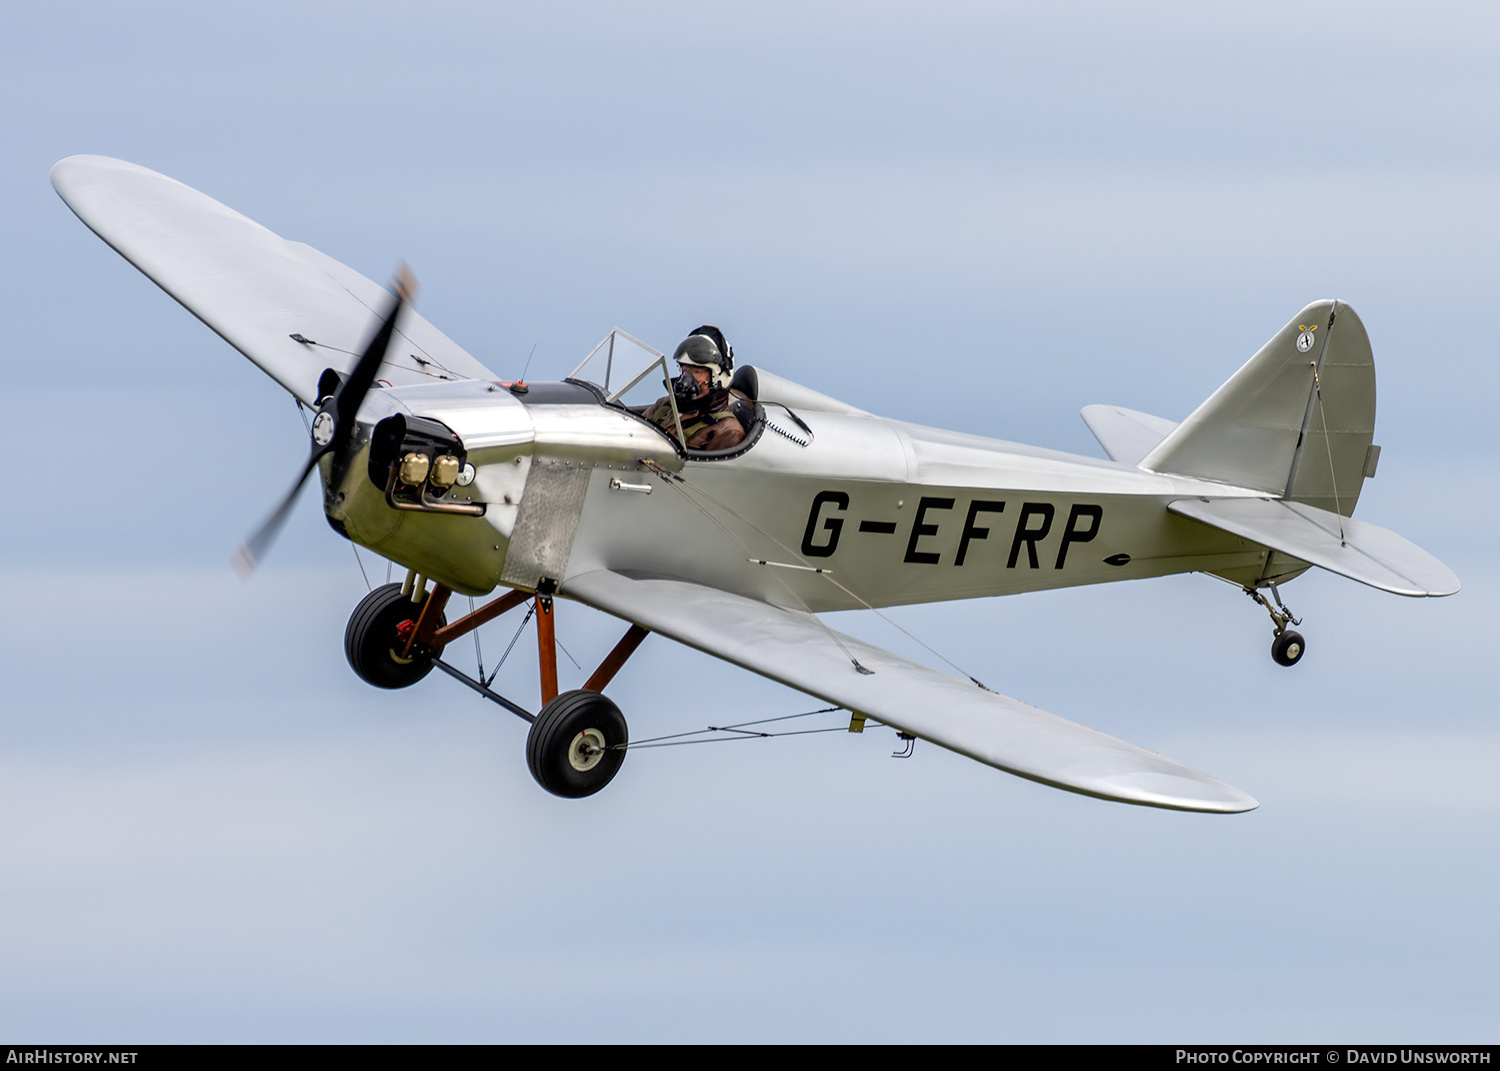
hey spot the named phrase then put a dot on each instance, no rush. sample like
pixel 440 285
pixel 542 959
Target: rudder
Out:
pixel 1296 421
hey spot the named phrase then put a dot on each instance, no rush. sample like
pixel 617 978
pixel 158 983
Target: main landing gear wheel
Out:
pixel 377 634
pixel 574 746
pixel 1287 648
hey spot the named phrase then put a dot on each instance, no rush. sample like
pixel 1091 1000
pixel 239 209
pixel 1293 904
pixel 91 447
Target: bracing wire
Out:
pixel 530 610
pixel 478 654
pixel 1328 443
pixel 360 562
pixel 569 654
pixel 681 486
pixel 826 574
pixel 739 730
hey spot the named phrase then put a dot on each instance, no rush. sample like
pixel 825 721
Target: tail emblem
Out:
pixel 1305 340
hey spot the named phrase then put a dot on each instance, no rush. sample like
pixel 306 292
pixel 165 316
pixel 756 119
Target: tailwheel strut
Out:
pixel 1287 646
pixel 577 740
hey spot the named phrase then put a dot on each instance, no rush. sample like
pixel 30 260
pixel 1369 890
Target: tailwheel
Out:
pixel 376 639
pixel 1287 648
pixel 576 744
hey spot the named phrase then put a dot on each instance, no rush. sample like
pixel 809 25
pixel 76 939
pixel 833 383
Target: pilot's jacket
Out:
pixel 714 424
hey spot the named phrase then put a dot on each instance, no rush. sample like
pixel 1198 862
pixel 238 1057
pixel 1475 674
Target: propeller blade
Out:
pixel 345 405
pixel 252 550
pixel 352 391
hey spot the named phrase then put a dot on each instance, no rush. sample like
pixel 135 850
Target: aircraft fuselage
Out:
pixel 890 512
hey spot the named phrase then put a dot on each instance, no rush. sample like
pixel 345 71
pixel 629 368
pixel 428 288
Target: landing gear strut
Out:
pixel 1286 646
pixel 577 743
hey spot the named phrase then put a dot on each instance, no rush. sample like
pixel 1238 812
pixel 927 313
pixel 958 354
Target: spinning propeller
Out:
pixel 333 427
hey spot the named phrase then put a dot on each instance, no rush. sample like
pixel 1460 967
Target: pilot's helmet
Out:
pixel 704 350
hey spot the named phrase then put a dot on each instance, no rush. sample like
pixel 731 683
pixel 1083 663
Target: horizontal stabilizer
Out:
pixel 794 648
pixel 1125 434
pixel 1364 552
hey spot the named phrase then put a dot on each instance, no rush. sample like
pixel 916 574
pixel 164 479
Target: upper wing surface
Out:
pixel 252 287
pixel 793 648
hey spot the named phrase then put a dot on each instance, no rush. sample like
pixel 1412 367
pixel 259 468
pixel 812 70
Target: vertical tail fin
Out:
pixel 1296 421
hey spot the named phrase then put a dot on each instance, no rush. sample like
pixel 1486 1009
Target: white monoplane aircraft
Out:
pixel 566 489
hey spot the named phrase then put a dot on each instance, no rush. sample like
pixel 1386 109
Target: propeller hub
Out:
pixel 322 428
pixel 333 428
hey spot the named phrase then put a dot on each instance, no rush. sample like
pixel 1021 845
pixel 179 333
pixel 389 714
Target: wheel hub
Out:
pixel 586 750
pixel 403 634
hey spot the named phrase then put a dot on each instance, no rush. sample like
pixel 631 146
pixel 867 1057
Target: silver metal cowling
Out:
pixel 531 471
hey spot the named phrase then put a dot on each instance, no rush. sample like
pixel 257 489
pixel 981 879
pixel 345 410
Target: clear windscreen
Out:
pixel 632 373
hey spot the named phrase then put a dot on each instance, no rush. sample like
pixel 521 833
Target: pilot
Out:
pixel 713 417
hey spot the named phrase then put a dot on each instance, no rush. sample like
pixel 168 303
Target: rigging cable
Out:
pixel 1318 387
pixel 827 575
pixel 675 739
pixel 478 654
pixel 530 610
pixel 358 561
pixel 675 481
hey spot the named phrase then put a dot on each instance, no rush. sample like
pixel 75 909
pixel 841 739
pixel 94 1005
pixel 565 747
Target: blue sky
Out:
pixel 974 216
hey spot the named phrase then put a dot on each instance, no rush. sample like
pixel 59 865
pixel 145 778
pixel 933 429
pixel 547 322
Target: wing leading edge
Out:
pixel 1016 737
pixel 250 286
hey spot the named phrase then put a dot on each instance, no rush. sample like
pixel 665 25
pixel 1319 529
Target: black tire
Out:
pixel 1288 647
pixel 572 748
pixel 373 638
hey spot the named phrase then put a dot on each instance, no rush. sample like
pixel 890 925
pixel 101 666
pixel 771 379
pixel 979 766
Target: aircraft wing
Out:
pixel 793 648
pixel 253 288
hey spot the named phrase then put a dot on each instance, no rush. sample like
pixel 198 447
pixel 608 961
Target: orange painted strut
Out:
pixel 546 643
pixel 431 635
pixel 427 620
pixel 485 614
pixel 616 658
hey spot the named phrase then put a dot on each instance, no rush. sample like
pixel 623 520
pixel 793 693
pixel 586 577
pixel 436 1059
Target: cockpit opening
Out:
pixel 706 407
